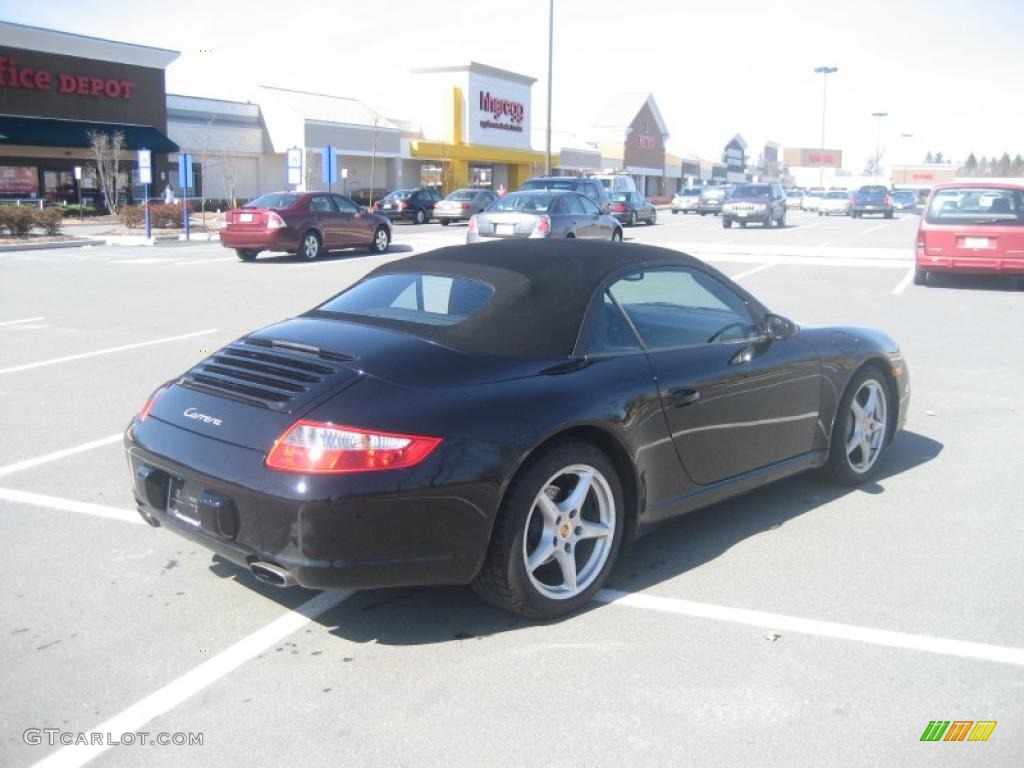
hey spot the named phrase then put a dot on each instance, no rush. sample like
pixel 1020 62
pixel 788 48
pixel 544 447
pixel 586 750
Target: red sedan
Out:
pixel 306 223
pixel 973 227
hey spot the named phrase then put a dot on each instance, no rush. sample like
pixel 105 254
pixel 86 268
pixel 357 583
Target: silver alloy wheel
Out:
pixel 866 426
pixel 310 246
pixel 381 240
pixel 569 532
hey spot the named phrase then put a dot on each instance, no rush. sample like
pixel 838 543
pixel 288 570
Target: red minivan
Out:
pixel 974 227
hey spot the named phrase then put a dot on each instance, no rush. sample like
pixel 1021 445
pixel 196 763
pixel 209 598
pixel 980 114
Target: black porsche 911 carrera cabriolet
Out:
pixel 507 415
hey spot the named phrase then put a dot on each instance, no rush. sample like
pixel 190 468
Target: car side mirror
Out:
pixel 779 328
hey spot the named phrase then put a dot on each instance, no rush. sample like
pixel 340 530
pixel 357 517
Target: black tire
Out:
pixel 920 276
pixel 379 244
pixel 782 221
pixel 616 235
pixel 654 217
pixel 888 214
pixel 306 248
pixel 246 254
pixel 743 225
pixel 632 218
pixel 420 218
pixel 444 222
pixel 726 223
pixel 503 579
pixel 674 212
pixel 839 464
pixel 702 213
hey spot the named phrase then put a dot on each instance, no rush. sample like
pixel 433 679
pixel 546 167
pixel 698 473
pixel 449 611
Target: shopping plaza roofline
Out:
pixel 480 69
pixel 71 44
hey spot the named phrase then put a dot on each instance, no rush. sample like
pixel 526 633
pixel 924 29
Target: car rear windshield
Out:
pixel 462 194
pixel 752 190
pixel 794 194
pixel 536 202
pixel 413 298
pixel 838 195
pixel 620 197
pixel 977 205
pixel 690 192
pixel 400 194
pixel 550 184
pixel 873 189
pixel 273 201
pixel 716 192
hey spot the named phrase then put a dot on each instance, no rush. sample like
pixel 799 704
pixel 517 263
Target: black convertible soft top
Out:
pixel 542 289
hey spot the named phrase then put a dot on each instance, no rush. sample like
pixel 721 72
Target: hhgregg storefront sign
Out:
pixel 498 112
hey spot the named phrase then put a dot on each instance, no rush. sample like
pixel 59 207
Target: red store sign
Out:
pixel 13 76
pixel 646 141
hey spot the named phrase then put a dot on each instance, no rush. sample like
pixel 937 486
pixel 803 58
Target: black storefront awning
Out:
pixel 49 132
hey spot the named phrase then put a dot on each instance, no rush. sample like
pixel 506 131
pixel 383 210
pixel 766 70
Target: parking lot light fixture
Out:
pixel 824 71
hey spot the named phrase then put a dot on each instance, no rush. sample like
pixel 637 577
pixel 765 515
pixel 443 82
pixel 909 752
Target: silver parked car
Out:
pixel 686 200
pixel 836 201
pixel 461 204
pixel 543 213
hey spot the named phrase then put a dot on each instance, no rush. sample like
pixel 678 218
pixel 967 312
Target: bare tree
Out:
pixel 106 151
pixel 204 162
pixel 228 168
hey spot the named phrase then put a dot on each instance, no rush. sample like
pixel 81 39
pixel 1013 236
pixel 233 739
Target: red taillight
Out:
pixel 886 200
pixel 542 227
pixel 402 206
pixel 274 221
pixel 471 226
pixel 151 401
pixel 464 206
pixel 919 245
pixel 618 207
pixel 313 447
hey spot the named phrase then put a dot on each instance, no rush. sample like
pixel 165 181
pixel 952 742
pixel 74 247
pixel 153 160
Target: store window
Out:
pixel 19 181
pixel 431 175
pixel 59 185
pixel 481 176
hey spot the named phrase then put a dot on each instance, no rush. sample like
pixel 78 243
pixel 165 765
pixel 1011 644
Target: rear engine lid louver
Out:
pixel 278 375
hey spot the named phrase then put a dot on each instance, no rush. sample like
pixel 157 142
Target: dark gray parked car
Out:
pixel 631 207
pixel 461 204
pixel 711 200
pixel 761 203
pixel 544 213
pixel 592 188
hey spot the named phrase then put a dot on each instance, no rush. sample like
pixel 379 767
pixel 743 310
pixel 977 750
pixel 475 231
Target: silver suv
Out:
pixel 764 203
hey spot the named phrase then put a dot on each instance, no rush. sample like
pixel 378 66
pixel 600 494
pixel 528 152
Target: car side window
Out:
pixel 679 307
pixel 321 204
pixel 344 204
pixel 572 203
pixel 607 330
pixel 588 205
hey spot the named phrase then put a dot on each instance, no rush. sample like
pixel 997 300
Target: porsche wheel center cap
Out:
pixel 564 529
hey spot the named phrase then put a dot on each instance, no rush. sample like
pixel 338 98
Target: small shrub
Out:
pixel 166 216
pixel 19 219
pixel 49 219
pixel 75 210
pixel 132 216
pixel 659 200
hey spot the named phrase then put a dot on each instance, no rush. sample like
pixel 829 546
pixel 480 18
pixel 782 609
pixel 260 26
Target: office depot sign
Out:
pixel 14 76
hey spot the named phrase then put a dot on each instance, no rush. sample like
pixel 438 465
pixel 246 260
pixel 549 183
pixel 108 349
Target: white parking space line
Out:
pixel 901 286
pixel 961 648
pixel 748 272
pixel 805 226
pixel 47 458
pixel 875 229
pixel 70 505
pixel 23 320
pixel 109 350
pixel 204 261
pixel 188 685
pixel 146 260
pixel 826 243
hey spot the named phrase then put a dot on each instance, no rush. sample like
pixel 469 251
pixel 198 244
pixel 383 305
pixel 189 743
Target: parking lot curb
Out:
pixel 49 246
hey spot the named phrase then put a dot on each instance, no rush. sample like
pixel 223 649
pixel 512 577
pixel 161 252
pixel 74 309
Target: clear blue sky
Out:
pixel 946 71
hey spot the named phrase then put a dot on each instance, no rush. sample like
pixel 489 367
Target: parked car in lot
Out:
pixel 871 199
pixel 812 198
pixel 711 200
pixel 509 416
pixel 543 214
pixel 904 200
pixel 764 204
pixel 835 202
pixel 686 200
pixel 588 186
pixel 794 199
pixel 461 204
pixel 631 207
pixel 972 227
pixel 415 205
pixel 616 182
pixel 304 223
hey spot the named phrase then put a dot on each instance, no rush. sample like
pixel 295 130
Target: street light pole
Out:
pixel 824 72
pixel 551 35
pixel 878 138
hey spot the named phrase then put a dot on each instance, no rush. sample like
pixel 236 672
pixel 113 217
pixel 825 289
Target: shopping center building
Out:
pixel 56 88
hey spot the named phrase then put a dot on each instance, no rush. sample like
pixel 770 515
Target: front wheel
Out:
pixel 421 217
pixel 861 428
pixel 726 223
pixel 444 222
pixel 617 235
pixel 246 254
pixel 310 245
pixel 381 240
pixel 632 218
pixel 654 217
pixel 557 533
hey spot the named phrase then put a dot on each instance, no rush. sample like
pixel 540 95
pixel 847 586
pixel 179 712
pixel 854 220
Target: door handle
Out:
pixel 677 398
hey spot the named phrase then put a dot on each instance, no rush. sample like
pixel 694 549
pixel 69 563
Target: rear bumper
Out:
pixel 862 209
pixel 978 265
pixel 401 215
pixel 452 215
pixel 355 533
pixel 275 240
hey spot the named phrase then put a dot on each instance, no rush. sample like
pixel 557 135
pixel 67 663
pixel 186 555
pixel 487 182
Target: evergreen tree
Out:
pixel 972 164
pixel 1018 165
pixel 938 157
pixel 1004 165
pixel 983 166
pixel 928 158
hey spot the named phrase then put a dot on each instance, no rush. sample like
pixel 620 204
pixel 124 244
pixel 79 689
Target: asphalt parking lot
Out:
pixel 802 624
